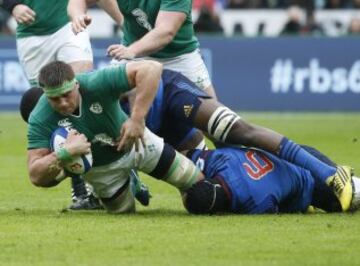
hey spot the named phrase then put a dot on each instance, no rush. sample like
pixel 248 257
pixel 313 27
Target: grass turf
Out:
pixel 34 230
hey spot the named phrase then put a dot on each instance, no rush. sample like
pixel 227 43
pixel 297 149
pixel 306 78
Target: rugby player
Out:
pixel 160 30
pixel 248 181
pixel 175 92
pixel 43 35
pixel 89 104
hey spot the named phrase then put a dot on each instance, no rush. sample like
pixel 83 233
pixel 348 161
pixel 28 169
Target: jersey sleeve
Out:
pixel 176 5
pixel 38 135
pixel 110 80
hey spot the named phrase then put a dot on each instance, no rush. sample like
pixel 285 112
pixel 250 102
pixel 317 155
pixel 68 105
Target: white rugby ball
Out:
pixel 78 165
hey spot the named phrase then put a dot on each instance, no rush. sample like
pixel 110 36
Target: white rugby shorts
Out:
pixel 36 51
pixel 191 65
pixel 108 179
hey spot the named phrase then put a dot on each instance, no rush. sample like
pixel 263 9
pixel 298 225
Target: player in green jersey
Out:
pixel 43 35
pixel 225 125
pixel 89 105
pixel 161 30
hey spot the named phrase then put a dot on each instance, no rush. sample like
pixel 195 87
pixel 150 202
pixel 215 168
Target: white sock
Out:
pixel 355 203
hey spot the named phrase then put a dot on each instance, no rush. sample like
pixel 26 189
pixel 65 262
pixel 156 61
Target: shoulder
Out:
pixel 43 117
pixel 42 110
pixel 101 75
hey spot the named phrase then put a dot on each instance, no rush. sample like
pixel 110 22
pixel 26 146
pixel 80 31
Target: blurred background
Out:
pixel 263 55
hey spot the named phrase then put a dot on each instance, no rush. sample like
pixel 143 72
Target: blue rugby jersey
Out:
pixel 154 116
pixel 258 182
pixel 165 117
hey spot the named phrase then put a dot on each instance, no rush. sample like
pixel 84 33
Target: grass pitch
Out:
pixel 34 230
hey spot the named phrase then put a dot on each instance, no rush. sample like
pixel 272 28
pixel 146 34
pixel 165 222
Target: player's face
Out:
pixel 66 103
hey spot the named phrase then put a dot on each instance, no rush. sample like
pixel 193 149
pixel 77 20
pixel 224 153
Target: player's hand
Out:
pixel 23 14
pixel 119 51
pixel 79 23
pixel 76 143
pixel 132 132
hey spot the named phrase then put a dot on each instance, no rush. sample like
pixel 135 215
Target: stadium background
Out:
pixel 285 58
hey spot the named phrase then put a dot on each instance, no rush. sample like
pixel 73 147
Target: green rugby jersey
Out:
pixel 140 17
pixel 51 15
pixel 100 115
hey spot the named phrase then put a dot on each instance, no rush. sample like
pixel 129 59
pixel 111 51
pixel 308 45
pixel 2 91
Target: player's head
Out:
pixel 28 101
pixel 207 197
pixel 60 86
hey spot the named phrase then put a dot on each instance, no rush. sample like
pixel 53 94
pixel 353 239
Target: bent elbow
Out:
pixel 169 35
pixel 36 181
pixel 40 182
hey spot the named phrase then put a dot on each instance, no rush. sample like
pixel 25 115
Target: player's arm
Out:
pixel 77 12
pixel 80 20
pixel 22 13
pixel 166 26
pixel 45 167
pixel 111 7
pixel 145 77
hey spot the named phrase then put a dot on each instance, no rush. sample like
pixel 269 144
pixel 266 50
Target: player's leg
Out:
pixel 355 203
pixel 323 196
pixel 161 161
pixel 193 67
pixel 114 185
pixel 111 182
pixel 121 202
pixel 226 126
pixel 180 135
pixel 82 196
pixel 34 53
pixel 139 189
pixel 339 178
pixel 75 49
pixel 195 140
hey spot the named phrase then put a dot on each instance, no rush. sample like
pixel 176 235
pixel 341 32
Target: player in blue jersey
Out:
pixel 249 181
pixel 185 106
pixel 180 105
pixel 172 112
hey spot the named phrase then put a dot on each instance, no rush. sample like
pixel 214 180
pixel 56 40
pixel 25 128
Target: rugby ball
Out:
pixel 78 165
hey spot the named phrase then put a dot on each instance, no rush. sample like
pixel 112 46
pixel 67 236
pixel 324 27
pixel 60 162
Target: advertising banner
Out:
pixel 276 74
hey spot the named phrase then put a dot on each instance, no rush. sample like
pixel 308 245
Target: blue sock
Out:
pixel 293 153
pixel 78 186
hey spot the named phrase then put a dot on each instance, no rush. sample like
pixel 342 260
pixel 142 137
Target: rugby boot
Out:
pixel 89 202
pixel 341 184
pixel 139 189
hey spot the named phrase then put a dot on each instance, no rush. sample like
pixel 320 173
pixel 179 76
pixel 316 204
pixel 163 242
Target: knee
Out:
pixel 120 203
